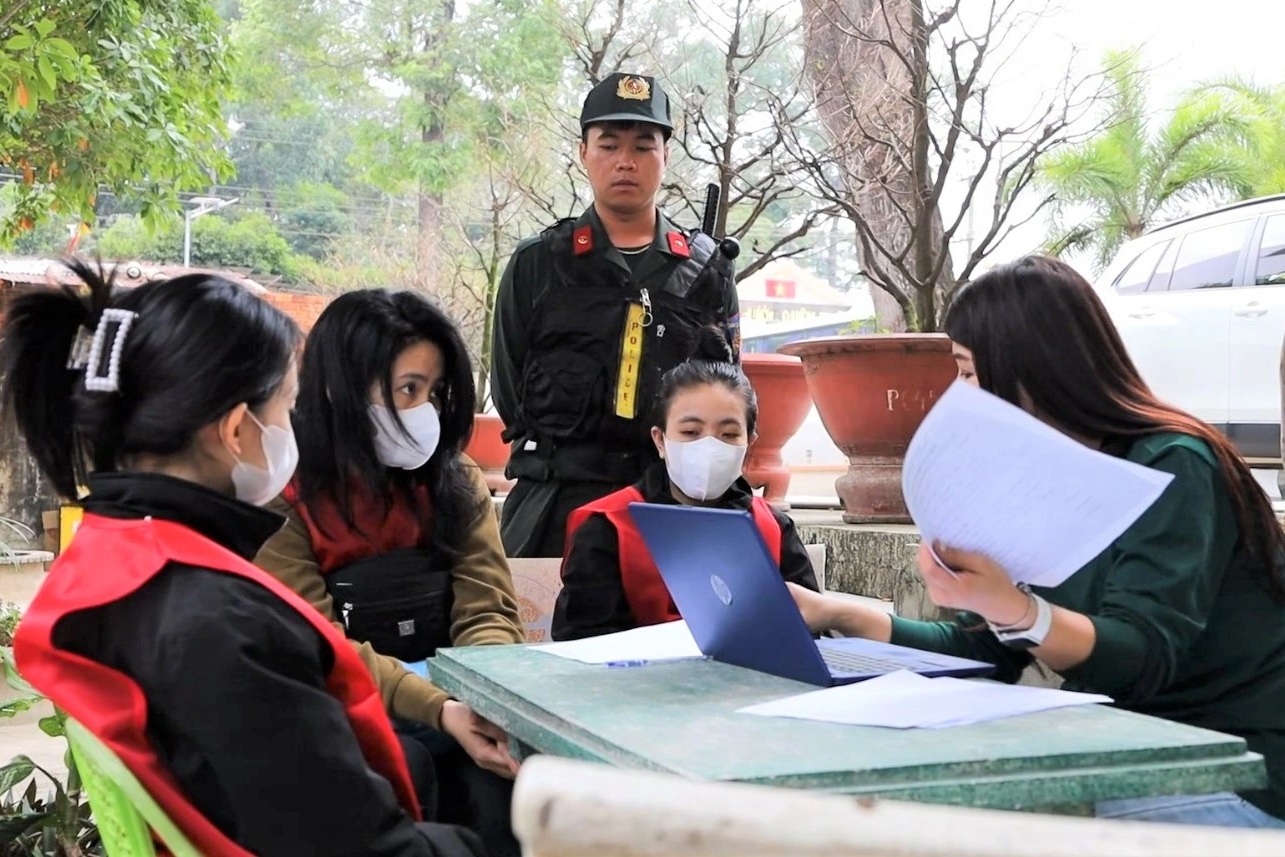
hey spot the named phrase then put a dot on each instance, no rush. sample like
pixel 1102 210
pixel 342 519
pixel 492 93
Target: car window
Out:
pixel 1207 257
pixel 1135 277
pixel 1271 253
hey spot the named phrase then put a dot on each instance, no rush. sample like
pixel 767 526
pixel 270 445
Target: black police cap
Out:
pixel 627 98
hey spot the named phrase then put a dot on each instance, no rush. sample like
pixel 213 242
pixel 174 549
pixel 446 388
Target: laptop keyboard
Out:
pixel 842 663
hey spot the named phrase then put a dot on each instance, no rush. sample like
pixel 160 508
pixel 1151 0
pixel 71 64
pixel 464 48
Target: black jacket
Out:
pixel 235 681
pixel 572 377
pixel 592 600
pixel 520 317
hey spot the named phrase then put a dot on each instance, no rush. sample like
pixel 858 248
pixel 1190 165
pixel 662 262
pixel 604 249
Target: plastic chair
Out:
pixel 125 813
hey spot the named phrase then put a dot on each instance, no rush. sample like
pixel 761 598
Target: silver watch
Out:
pixel 1028 638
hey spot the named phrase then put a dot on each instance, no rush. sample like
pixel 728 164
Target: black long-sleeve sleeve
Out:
pixel 239 712
pixel 514 300
pixel 796 565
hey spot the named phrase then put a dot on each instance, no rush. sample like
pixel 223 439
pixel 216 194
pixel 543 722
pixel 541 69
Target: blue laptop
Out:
pixel 726 585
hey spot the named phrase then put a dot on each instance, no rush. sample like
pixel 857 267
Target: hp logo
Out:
pixel 720 589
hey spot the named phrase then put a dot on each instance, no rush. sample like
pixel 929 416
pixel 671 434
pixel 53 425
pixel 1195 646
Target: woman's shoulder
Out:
pixel 475 477
pixel 1153 448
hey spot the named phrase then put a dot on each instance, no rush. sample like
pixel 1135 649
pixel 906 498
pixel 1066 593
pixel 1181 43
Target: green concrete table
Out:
pixel 680 718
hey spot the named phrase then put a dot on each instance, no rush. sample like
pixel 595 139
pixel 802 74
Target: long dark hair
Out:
pixel 351 348
pixel 197 347
pixel 1036 328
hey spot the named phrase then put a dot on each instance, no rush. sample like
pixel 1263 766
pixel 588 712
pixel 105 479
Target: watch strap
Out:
pixel 1033 636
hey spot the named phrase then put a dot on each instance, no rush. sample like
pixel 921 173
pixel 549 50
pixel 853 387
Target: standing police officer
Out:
pixel 591 313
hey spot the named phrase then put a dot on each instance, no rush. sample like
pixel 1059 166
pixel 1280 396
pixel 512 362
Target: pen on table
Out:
pixel 626 663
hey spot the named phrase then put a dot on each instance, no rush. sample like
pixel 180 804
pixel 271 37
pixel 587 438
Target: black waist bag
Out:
pixel 399 602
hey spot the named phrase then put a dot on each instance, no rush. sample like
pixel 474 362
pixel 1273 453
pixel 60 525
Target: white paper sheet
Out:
pixel 906 700
pixel 985 476
pixel 671 641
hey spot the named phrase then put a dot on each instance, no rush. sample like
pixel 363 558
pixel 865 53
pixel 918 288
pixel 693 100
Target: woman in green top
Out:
pixel 1183 617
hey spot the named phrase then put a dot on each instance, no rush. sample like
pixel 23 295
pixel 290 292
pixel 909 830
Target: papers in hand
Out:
pixel 982 475
pixel 905 700
pixel 671 641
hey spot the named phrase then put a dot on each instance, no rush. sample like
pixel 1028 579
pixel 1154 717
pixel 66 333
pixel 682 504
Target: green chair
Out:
pixel 125 813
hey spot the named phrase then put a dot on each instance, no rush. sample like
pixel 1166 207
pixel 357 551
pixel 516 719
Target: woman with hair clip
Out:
pixel 1183 617
pixel 246 716
pixel 392 536
pixel 704 422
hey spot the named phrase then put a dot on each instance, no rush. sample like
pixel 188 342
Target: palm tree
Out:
pixel 1113 186
pixel 1261 145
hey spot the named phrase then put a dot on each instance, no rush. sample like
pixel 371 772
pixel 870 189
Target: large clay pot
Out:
pixel 489 450
pixel 872 392
pixel 783 405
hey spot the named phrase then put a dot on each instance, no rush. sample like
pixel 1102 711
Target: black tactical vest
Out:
pixel 577 338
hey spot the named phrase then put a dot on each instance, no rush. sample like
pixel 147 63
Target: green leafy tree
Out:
pixel 47 238
pixel 1136 172
pixel 1258 141
pixel 122 95
pixel 313 216
pixel 422 78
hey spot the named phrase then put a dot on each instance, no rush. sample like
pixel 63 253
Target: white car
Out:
pixel 1200 303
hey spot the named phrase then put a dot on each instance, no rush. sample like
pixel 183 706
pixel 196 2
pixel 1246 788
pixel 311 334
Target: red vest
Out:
pixel 645 590
pixel 335 544
pixel 111 558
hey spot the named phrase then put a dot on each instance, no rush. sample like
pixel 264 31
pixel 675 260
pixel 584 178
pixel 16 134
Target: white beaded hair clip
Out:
pixel 80 348
pixel 116 323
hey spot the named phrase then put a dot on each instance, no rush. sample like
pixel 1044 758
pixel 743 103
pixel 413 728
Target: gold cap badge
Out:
pixel 633 89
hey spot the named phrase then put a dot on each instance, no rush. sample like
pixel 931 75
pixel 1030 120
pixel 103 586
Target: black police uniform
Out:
pixel 583 334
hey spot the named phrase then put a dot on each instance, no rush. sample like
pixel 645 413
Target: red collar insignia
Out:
pixel 678 244
pixel 582 240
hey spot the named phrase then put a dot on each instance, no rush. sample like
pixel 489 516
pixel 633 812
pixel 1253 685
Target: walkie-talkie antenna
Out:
pixel 712 194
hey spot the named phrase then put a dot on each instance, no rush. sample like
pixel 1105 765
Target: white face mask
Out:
pixel 256 485
pixel 392 446
pixel 703 469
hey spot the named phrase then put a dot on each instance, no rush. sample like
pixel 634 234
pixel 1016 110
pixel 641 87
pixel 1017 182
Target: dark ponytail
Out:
pixel 712 345
pixel 38 394
pixel 196 347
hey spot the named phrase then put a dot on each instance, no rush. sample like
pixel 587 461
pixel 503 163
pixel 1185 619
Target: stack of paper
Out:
pixel 982 475
pixel 905 700
pixel 671 641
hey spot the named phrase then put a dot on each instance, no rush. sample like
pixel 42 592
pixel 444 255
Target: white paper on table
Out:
pixel 671 641
pixel 982 475
pixel 905 700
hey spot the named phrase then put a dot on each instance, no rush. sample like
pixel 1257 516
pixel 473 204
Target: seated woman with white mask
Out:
pixel 391 534
pixel 705 415
pixel 245 715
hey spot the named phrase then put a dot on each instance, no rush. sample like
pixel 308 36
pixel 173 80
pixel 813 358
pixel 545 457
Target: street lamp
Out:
pixel 203 205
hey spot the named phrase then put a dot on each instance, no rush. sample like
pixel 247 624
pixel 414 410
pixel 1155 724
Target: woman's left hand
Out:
pixel 972 582
pixel 486 743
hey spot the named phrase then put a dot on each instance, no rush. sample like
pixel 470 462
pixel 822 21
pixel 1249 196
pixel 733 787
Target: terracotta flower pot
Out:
pixel 489 450
pixel 872 392
pixel 783 404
